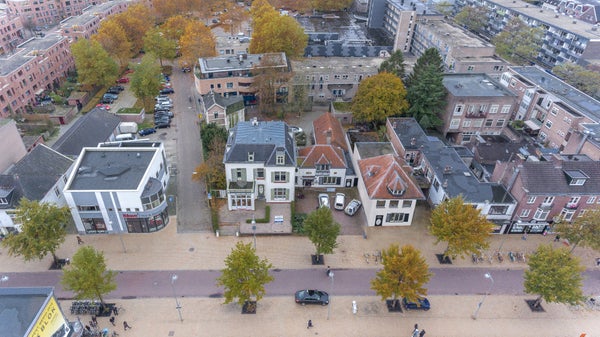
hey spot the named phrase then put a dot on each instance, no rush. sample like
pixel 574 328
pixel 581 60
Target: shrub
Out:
pixel 298 223
pixel 266 219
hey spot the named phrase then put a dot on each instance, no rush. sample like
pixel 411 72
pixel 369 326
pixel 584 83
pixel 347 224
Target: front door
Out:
pixel 261 191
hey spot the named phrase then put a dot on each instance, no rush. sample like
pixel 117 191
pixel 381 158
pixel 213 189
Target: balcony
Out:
pixel 571 205
pixel 477 114
pixel 546 206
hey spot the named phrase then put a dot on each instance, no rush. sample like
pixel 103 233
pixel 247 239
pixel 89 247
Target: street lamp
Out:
pixel 330 291
pixel 488 276
pixel 254 230
pixel 120 236
pixel 177 306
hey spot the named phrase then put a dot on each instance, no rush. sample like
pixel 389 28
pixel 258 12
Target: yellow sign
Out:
pixel 50 321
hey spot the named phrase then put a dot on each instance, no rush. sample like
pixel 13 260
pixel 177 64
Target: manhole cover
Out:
pixel 191 249
pixel 171 333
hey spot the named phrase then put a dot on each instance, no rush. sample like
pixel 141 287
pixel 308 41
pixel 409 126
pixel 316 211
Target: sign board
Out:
pixel 50 322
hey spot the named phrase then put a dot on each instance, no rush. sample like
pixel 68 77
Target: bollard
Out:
pixel 354 307
pixel 237 233
pixel 217 233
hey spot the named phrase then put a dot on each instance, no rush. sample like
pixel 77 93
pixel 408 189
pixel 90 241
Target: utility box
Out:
pixel 128 127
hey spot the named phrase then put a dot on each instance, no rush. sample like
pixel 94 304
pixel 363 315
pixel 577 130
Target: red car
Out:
pixel 123 80
pixel 103 106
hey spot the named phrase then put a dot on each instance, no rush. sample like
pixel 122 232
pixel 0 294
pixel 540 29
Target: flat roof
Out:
pixel 470 85
pixel 239 62
pixel 25 52
pixel 374 149
pixel 19 307
pixel 351 64
pixel 111 169
pixel 453 35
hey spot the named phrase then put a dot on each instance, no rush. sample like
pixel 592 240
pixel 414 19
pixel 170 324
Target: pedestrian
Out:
pixel 309 325
pixel 416 331
pixel 422 333
pixel 79 240
pixel 126 326
pixel 328 270
pixel 87 327
pixel 112 320
pixel 598 262
pixel 115 311
pixel 94 320
pixel 557 238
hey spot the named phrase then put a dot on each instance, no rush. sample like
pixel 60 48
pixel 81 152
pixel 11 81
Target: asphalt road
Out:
pixel 347 282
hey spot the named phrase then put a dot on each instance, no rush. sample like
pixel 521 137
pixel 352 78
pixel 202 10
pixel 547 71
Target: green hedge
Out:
pixel 214 212
pixel 266 219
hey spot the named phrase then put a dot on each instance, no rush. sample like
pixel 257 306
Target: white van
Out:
pixel 340 200
pixel 125 136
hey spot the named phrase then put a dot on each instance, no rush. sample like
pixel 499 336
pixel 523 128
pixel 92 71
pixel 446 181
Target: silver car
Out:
pixel 352 207
pixel 324 200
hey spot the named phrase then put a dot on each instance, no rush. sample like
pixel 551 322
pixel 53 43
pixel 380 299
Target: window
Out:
pixel 330 180
pixel 525 213
pixel 505 109
pixel 3 201
pixel 549 124
pixel 466 123
pixel 483 108
pixel 455 123
pixel 478 123
pixel 250 156
pixel 280 177
pixel 407 203
pixel 88 208
pixel 591 200
pixel 500 123
pixel 554 111
pixel 57 191
pixel 489 122
pixel 260 173
pixel 541 214
pixel 216 114
pixel 393 204
pixel 458 109
pixel 279 158
pixel 531 199
pixel 548 200
pixel 494 108
pixel 497 210
pixel 280 193
pixel 380 204
pixel 229 85
pixel 567 214
pixel 397 217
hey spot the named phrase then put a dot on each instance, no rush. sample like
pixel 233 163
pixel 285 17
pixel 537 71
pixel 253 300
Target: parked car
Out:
pixel 118 87
pixel 103 106
pixel 159 97
pixel 324 200
pixel 340 201
pixel 161 120
pixel 113 96
pixel 163 113
pixel 166 91
pixel 145 132
pixel 186 69
pixel 312 296
pixel 421 304
pixel 113 90
pixel 123 80
pixel 162 99
pixel 162 125
pixel 352 207
pixel 163 104
pixel 296 129
pixel 107 100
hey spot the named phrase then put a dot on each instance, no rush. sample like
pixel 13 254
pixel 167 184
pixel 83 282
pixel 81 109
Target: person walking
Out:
pixel 328 271
pixel 112 320
pixel 309 324
pixel 79 240
pixel 416 331
pixel 422 333
pixel 115 311
pixel 126 326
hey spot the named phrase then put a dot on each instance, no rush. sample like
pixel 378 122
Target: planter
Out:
pixel 249 307
pixel 317 260
pixel 443 259
pixel 533 307
pixel 393 305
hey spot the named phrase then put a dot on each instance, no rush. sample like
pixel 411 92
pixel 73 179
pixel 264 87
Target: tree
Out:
pixel 196 41
pixel 473 18
pixel 273 32
pixel 584 230
pixel 425 91
pixel 113 39
pixel 404 275
pixel 584 79
pixel 233 19
pixel 379 97
pixel 209 133
pixel 162 47
pixel 145 81
pixel 394 64
pixel 268 79
pixel 245 275
pixel 212 169
pixel 462 226
pixel 87 275
pixel 94 66
pixel 444 8
pixel 331 5
pixel 554 275
pixel 136 21
pixel 518 42
pixel 42 230
pixel 174 27
pixel 322 231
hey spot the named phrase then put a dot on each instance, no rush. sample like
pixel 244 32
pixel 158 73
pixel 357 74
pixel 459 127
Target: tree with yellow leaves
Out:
pixel 379 97
pixel 174 27
pixel 113 39
pixel 196 41
pixel 136 21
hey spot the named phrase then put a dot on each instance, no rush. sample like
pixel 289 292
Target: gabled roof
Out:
pixel 38 171
pixel 327 125
pixel 321 154
pixel 211 99
pixel 94 127
pixel 551 178
pixel 263 139
pixel 385 178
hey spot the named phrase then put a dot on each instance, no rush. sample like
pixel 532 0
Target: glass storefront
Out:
pixel 147 225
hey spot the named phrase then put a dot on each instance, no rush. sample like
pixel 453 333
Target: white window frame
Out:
pixel 454 123
pixel 505 109
pixel 591 199
pixel 494 108
pixel 458 109
pixel 525 213
pixel 531 199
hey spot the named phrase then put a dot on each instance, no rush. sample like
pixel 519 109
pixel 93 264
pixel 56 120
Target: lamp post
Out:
pixel 330 291
pixel 488 276
pixel 177 306
pixel 120 237
pixel 254 230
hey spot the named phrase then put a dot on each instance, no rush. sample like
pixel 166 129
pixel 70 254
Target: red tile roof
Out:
pixel 386 173
pixel 321 154
pixel 327 124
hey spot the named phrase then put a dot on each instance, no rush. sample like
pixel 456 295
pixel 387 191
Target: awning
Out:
pixel 532 125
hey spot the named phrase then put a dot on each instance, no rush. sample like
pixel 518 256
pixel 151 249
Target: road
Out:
pixel 347 282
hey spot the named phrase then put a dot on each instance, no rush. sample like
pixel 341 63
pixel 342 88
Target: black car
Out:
pixel 163 113
pixel 112 90
pixel 107 100
pixel 162 125
pixel 421 304
pixel 166 91
pixel 312 296
pixel 118 87
pixel 145 132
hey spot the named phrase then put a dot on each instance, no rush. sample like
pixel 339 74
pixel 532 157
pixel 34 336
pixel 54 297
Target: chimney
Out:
pixel 328 135
pixel 413 141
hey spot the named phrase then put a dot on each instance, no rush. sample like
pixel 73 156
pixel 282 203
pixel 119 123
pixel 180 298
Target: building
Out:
pixel 260 163
pixel 476 105
pixel 41 176
pixel 11 32
pixel 552 188
pixel 442 172
pixel 328 162
pixel 565 38
pixel 397 19
pixel 47 13
pixel 87 23
pixel 223 111
pixel 12 146
pixel 587 10
pixel 38 64
pixel 119 188
pixel 26 312
pixel 388 192
pixel 233 75
pixel 325 79
pixel 562 117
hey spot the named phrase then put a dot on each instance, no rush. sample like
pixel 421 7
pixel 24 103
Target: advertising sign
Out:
pixel 50 322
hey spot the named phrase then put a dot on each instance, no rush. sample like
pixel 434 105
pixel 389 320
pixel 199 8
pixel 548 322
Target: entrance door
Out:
pixel 261 191
pixel 378 220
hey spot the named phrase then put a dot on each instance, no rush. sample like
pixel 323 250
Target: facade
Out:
pixel 388 192
pixel 565 38
pixel 328 162
pixel 12 146
pixel 223 111
pixel 119 188
pixel 39 13
pixel 11 32
pixel 326 79
pixel 260 163
pixel 41 175
pixel 587 10
pixel 86 24
pixel 442 173
pixel 564 118
pixel 397 19
pixel 555 187
pixel 476 105
pixel 233 75
pixel 37 65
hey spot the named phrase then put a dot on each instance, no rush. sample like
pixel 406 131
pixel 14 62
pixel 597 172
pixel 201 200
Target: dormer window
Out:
pixel 397 186
pixel 575 177
pixel 250 156
pixel 279 158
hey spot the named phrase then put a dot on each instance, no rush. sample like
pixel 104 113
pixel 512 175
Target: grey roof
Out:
pixel 549 178
pixel 474 85
pixel 373 149
pixel 447 164
pixel 211 99
pixel 11 190
pixel 38 171
pixel 111 168
pixel 94 127
pixel 239 62
pixel 28 51
pixel 262 138
pixel 341 50
pixel 579 101
pixel 19 307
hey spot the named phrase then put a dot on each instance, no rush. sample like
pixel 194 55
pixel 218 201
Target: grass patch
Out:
pixel 214 217
pixel 266 219
pixel 134 111
pixel 342 106
pixel 298 223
